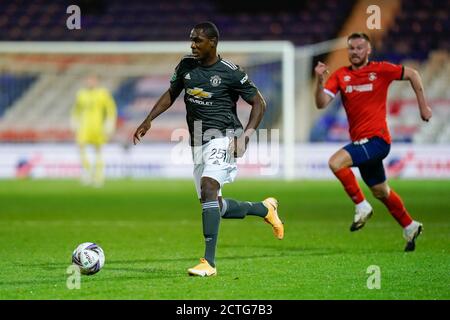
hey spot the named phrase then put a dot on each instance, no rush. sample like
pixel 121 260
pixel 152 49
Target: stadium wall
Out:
pixel 57 161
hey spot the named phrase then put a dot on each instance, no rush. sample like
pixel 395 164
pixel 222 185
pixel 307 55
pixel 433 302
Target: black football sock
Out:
pixel 211 221
pixel 232 209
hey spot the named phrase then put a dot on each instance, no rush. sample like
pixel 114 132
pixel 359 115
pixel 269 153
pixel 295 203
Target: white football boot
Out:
pixel 362 214
pixel 410 233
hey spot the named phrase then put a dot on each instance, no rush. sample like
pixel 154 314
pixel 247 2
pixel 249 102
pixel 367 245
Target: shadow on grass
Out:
pixel 289 250
pixel 275 252
pixel 102 276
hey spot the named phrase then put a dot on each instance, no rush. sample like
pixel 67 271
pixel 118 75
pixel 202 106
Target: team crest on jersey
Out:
pixel 372 76
pixel 215 81
pixel 347 78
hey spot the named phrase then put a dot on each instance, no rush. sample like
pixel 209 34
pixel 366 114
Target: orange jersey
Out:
pixel 364 94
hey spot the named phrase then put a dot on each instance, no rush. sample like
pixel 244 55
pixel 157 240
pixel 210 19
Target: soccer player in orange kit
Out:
pixel 363 86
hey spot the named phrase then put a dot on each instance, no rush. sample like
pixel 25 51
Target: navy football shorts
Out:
pixel 368 155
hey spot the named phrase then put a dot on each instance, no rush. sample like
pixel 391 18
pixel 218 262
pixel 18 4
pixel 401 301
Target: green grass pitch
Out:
pixel 151 233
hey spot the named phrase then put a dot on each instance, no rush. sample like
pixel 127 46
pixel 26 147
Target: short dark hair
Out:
pixel 209 29
pixel 358 35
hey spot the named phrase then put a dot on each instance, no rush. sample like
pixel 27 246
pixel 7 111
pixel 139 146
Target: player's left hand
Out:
pixel 425 113
pixel 141 131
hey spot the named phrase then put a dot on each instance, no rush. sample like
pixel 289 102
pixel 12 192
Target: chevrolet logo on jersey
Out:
pixel 199 93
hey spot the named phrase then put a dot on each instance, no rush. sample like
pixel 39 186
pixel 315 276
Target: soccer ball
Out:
pixel 89 257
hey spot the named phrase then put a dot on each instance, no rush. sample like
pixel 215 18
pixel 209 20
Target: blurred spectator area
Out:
pixel 420 27
pixel 38 91
pixel 303 22
pixel 40 112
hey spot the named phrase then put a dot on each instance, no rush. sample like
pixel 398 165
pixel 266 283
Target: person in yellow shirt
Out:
pixel 93 118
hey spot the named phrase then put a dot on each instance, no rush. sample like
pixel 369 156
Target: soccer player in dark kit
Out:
pixel 212 87
pixel 363 86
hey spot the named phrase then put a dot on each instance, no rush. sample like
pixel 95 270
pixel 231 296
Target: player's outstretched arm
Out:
pixel 416 82
pixel 163 103
pixel 321 98
pixel 258 108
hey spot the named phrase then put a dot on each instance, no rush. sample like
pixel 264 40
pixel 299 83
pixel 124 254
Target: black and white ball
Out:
pixel 89 257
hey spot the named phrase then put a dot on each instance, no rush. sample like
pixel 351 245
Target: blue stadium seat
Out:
pixel 11 88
